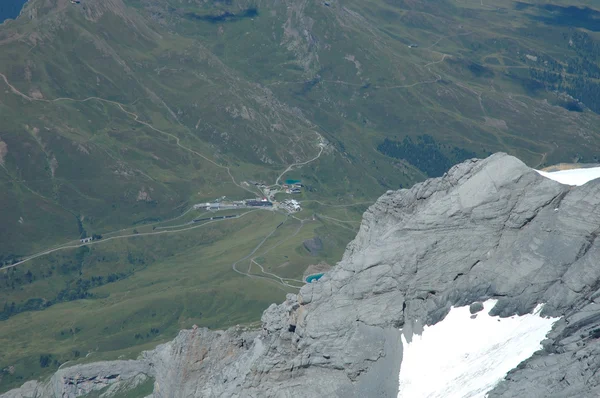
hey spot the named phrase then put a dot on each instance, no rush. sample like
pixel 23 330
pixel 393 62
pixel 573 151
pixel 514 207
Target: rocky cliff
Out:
pixel 490 228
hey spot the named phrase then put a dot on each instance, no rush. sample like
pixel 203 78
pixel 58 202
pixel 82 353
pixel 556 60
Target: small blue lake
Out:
pixel 290 182
pixel 10 9
pixel 314 277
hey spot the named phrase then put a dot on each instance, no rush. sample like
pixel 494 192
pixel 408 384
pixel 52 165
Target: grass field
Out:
pixel 117 117
pixel 162 284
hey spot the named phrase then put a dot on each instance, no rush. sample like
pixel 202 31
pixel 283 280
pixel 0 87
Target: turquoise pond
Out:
pixel 289 182
pixel 314 277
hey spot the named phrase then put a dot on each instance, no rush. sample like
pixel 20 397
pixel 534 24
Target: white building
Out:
pixel 295 204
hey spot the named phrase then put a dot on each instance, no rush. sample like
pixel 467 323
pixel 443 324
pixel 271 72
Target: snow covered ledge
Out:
pixel 573 176
pixel 466 355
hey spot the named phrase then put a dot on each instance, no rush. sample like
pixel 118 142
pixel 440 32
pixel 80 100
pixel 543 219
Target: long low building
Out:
pixel 259 203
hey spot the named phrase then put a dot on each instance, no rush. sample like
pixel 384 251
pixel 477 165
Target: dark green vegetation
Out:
pixel 425 153
pixel 116 297
pixel 118 115
pixel 570 16
pixel 224 16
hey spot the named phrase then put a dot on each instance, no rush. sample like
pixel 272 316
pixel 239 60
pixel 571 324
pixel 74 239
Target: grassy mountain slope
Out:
pixel 118 115
pixel 468 83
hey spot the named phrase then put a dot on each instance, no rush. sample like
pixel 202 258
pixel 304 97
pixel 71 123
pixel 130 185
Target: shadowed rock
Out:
pixel 476 307
pixel 489 228
pixel 313 245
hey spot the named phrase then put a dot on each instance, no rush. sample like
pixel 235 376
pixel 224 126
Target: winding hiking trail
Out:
pixel 136 118
pixel 343 205
pixel 339 223
pixel 282 280
pixel 69 245
pixel 262 242
pixel 436 62
pixel 290 167
pixel 426 66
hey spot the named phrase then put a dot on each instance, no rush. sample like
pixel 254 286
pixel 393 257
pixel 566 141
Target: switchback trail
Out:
pixel 281 279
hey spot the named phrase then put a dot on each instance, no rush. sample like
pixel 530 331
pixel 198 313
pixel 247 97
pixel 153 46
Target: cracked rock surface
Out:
pixel 490 228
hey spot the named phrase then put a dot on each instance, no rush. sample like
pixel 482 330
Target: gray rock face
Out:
pixel 82 379
pixel 476 307
pixel 489 228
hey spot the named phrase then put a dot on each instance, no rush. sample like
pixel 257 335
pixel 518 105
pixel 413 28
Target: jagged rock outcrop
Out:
pixel 82 379
pixel 490 228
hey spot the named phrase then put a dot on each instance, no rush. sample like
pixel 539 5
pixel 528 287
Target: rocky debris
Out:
pixel 299 39
pixel 79 380
pixel 143 195
pixel 476 307
pixel 569 166
pixel 489 228
pixel 82 148
pixel 124 386
pixel 3 152
pixel 30 389
pixel 36 93
pixel 496 123
pixel 321 267
pixel 53 163
pixel 84 379
pixel 313 245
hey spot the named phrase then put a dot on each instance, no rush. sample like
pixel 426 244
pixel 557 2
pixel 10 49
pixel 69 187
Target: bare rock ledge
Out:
pixel 490 228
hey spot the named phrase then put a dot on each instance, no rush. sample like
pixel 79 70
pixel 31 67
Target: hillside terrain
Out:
pixel 118 116
pixel 519 255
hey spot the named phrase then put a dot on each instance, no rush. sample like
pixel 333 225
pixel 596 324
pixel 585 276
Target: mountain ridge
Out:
pixel 500 230
pixel 198 100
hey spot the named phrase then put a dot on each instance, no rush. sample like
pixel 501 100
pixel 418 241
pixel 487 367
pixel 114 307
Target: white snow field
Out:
pixel 574 176
pixel 461 357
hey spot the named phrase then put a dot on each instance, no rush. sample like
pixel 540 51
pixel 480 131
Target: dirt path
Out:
pixel 436 62
pixel 136 118
pixel 447 37
pixel 332 205
pixel 429 48
pixel 290 167
pixel 248 274
pixel 98 242
pixel 283 281
pixel 337 222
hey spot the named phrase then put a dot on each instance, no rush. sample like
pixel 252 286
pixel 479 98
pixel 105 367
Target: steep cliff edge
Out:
pixel 490 228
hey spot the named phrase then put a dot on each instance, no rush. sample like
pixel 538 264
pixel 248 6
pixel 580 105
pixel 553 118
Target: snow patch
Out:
pixel 464 356
pixel 574 176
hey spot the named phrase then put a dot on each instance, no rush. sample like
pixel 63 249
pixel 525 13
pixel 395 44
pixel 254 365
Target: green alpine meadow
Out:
pixel 165 164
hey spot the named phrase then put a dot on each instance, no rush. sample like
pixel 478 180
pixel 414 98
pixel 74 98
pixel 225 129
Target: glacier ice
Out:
pixel 466 356
pixel 574 176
